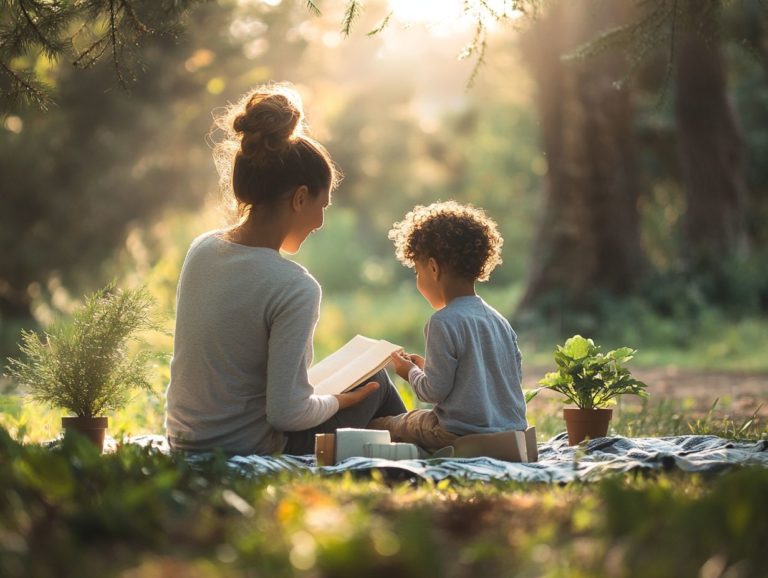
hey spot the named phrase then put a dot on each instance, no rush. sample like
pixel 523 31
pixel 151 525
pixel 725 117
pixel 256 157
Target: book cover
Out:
pixel 356 361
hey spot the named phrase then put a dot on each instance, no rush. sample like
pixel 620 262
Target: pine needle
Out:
pixel 351 14
pixel 381 26
pixel 313 8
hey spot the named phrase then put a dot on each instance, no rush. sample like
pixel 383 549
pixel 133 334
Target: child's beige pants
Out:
pixel 419 426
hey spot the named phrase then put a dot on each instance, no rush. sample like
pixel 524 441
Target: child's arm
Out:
pixel 433 381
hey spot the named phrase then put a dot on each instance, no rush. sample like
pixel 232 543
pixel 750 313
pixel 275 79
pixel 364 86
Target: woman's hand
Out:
pixel 403 363
pixel 356 395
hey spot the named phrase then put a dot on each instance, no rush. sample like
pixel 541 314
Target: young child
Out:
pixel 471 370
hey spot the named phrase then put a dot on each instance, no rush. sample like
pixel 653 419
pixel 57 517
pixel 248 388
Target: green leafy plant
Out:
pixel 82 364
pixel 590 379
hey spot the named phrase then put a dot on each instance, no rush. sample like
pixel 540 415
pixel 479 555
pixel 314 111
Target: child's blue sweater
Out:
pixel 472 371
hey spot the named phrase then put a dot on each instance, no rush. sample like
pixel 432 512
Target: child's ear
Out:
pixel 299 197
pixel 434 267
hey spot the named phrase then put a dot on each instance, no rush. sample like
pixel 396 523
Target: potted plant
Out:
pixel 590 380
pixel 82 365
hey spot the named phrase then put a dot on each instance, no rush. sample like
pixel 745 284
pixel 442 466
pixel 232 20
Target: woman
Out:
pixel 246 315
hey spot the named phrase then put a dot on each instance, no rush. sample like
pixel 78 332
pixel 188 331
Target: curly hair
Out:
pixel 461 238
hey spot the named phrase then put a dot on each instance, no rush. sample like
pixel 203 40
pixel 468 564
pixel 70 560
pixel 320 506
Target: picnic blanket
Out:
pixel 558 462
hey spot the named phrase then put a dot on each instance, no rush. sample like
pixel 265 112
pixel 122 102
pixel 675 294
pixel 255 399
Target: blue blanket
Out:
pixel 558 462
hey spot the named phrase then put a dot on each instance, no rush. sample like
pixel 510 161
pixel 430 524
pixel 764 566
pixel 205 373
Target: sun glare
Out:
pixel 429 11
pixel 442 16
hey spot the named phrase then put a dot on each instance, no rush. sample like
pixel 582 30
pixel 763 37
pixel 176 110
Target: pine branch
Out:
pixel 351 14
pixel 313 8
pixel 49 47
pixel 618 37
pixel 381 26
pixel 491 10
pixel 54 27
pixel 671 57
pixel 23 87
pixel 138 24
pixel 92 53
pixel 113 35
pixel 655 28
pixel 478 45
pixel 529 8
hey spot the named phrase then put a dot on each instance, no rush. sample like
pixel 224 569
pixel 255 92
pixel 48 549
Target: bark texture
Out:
pixel 710 144
pixel 588 240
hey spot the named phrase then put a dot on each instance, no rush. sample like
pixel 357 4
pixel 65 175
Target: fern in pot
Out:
pixel 591 381
pixel 82 364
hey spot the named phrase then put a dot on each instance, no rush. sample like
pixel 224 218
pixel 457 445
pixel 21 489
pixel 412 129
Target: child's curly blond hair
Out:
pixel 459 237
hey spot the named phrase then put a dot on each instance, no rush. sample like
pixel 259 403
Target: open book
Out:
pixel 356 361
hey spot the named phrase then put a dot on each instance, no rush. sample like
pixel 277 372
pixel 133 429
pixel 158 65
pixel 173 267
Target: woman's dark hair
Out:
pixel 267 153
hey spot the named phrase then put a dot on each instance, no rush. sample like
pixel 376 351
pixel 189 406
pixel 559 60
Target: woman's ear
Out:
pixel 299 198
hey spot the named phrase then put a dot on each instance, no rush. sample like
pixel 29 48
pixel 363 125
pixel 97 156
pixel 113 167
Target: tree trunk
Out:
pixel 588 238
pixel 710 145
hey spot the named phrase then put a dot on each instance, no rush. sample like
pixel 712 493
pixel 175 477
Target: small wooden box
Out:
pixel 510 446
pixel 325 449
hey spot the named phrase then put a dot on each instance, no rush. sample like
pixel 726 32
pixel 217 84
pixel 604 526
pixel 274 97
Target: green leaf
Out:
pixel 622 355
pixel 578 347
pixel 47 473
pixel 531 393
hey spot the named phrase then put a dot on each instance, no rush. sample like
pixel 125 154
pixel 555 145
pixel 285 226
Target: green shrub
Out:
pixel 590 379
pixel 83 365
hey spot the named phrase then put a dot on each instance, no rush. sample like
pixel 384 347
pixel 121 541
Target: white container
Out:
pixel 393 451
pixel 350 442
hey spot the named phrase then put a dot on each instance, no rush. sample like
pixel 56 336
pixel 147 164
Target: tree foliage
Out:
pixel 76 179
pixel 81 32
pixel 83 174
pixel 658 26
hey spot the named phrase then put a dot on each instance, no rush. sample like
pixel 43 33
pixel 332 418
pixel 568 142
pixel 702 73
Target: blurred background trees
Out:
pixel 629 180
pixel 588 241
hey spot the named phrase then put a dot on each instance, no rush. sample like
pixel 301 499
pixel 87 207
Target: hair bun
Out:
pixel 268 125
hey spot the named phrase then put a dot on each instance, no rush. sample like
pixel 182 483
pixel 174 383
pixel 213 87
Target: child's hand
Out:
pixel 418 360
pixel 403 364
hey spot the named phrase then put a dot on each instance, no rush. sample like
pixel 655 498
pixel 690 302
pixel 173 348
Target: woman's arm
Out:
pixel 291 402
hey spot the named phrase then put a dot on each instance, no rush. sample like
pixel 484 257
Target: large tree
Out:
pixel 710 143
pixel 588 238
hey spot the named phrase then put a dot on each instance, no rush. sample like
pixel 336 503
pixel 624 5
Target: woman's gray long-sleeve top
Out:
pixel 245 319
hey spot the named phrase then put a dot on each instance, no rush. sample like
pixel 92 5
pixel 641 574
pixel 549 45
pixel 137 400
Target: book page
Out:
pixel 357 360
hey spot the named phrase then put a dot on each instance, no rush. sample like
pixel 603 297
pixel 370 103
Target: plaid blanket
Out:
pixel 558 462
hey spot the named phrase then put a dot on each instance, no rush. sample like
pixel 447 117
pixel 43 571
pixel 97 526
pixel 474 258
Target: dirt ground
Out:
pixel 740 393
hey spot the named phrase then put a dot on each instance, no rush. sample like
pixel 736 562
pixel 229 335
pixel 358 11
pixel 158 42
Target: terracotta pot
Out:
pixel 92 428
pixel 583 423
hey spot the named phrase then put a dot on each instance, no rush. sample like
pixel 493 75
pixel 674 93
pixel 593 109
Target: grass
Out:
pixel 69 511
pixel 32 423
